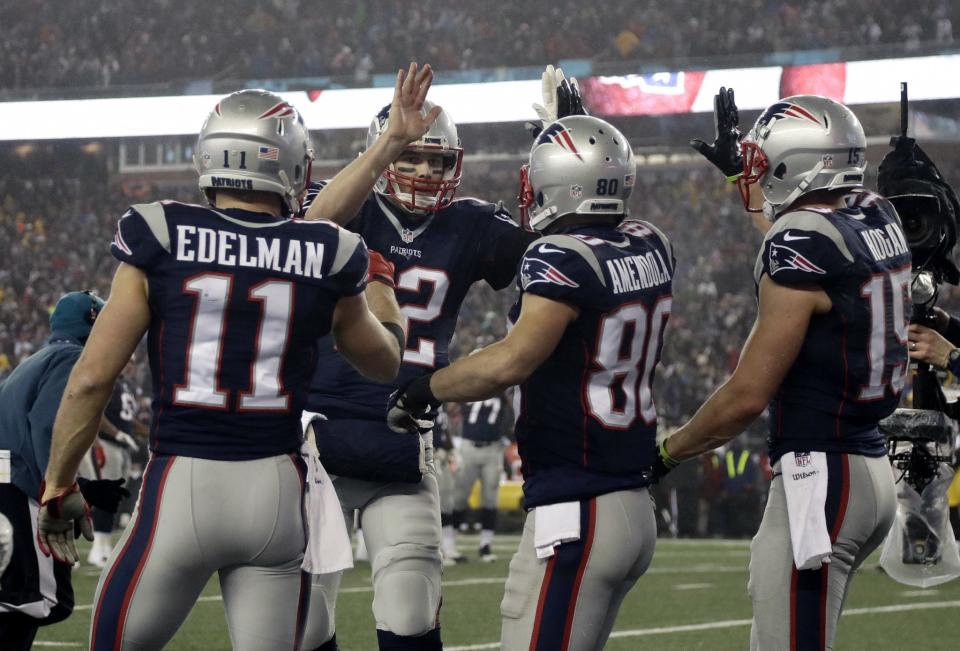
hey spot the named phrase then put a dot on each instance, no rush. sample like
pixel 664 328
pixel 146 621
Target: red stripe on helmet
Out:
pixel 569 140
pixel 803 113
pixel 281 107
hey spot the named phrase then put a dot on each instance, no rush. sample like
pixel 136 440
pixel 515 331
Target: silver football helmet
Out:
pixel 255 140
pixel 578 165
pixel 413 193
pixel 801 144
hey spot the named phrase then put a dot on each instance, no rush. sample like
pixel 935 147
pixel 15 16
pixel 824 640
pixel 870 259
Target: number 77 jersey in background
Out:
pixel 587 421
pixel 237 301
pixel 852 366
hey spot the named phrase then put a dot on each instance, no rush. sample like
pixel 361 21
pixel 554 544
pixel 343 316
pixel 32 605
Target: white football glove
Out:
pixel 127 441
pixel 62 519
pixel 547 112
pixel 555 91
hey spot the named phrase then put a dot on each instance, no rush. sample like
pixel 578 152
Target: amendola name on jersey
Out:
pixel 237 300
pixel 853 363
pixel 436 260
pixel 586 417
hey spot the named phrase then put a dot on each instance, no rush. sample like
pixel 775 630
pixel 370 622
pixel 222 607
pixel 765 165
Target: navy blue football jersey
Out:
pixel 121 411
pixel 485 420
pixel 587 420
pixel 853 363
pixel 237 301
pixel 437 259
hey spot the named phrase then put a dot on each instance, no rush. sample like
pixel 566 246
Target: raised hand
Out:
pixel 724 152
pixel 408 123
pixel 560 99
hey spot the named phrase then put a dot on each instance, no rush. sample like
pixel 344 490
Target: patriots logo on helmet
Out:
pixel 788 110
pixel 558 135
pixel 783 257
pixel 536 271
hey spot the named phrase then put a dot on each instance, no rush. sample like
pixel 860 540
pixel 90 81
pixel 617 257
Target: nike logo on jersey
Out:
pixel 545 248
pixel 787 237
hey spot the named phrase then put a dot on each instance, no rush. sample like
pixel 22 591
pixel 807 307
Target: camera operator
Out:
pixel 929 210
pixel 922 552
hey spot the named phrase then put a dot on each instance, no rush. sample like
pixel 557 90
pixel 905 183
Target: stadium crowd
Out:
pixel 100 43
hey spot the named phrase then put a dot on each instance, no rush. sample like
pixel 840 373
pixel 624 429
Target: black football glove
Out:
pixel 724 152
pixel 105 494
pixel 409 406
pixel 663 464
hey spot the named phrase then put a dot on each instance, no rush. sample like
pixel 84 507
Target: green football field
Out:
pixel 693 597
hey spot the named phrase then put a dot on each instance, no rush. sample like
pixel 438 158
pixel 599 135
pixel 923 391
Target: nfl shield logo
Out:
pixel 406 235
pixel 802 459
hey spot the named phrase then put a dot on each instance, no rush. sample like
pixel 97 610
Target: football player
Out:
pixel 827 355
pixel 484 428
pixel 234 296
pixel 439 246
pixel 589 326
pixel 116 445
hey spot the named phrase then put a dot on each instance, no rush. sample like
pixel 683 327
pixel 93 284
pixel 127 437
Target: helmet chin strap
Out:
pixel 772 210
pixel 289 198
pixel 537 218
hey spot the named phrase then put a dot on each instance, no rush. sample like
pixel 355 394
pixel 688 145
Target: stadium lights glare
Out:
pixel 855 83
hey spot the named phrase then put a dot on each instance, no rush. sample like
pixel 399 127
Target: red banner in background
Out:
pixel 827 79
pixel 655 94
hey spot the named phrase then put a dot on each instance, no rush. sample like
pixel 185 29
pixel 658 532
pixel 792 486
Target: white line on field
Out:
pixel 661 542
pixel 689 569
pixel 731 623
pixel 57 644
pixel 692 586
pixel 929 592
pixel 201 599
pixel 663 552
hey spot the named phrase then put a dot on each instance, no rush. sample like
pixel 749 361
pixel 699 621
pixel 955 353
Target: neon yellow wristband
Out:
pixel 667 459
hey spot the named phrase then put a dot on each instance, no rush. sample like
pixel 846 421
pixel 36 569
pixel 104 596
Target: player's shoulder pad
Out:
pixel 560 247
pixel 155 216
pixel 644 229
pixel 348 244
pixel 868 200
pixel 802 246
pixel 142 237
